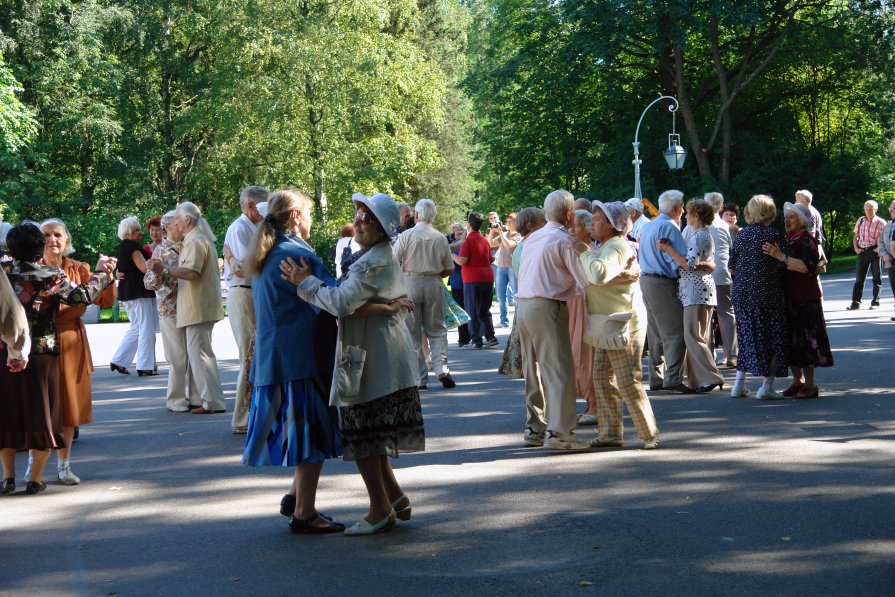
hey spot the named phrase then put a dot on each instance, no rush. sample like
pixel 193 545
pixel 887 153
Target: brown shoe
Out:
pixel 793 389
pixel 204 411
pixel 807 392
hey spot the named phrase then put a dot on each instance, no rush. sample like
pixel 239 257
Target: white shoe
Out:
pixel 769 394
pixel 532 438
pixel 553 442
pixel 739 390
pixel 365 528
pixel 27 476
pixel 652 443
pixel 66 477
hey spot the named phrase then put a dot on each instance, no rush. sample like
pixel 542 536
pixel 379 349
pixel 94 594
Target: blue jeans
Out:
pixel 506 291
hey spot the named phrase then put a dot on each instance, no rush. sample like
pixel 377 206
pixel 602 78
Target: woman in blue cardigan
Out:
pixel 290 421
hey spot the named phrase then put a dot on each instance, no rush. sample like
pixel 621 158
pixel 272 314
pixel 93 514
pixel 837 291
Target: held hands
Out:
pixel 772 251
pixel 106 265
pixel 293 272
pixel 156 266
pixel 579 247
pixel 402 302
pixel 16 365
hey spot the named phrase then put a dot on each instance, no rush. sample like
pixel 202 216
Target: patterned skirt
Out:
pixel 383 427
pixel 289 424
pixel 761 335
pixel 809 345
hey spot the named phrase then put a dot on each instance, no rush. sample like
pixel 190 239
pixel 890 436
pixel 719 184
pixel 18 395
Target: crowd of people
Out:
pixel 597 286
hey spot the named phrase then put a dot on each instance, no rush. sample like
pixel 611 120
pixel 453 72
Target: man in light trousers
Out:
pixel 425 258
pixel 198 303
pixel 240 307
pixel 723 240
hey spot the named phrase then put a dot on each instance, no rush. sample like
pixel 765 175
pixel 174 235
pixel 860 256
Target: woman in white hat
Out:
pixel 374 384
pixel 809 346
pixel 617 370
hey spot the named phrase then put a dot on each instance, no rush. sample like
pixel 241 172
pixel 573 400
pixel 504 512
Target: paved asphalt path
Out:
pixel 743 497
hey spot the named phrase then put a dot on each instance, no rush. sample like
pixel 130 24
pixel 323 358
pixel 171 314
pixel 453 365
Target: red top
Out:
pixel 478 251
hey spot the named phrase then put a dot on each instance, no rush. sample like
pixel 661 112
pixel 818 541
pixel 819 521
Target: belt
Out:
pixel 243 286
pixel 865 248
pixel 657 276
pixel 420 275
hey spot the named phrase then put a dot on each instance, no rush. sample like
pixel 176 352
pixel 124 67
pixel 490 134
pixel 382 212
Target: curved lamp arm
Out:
pixel 673 108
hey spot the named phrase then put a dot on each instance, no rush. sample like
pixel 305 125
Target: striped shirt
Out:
pixel 867 231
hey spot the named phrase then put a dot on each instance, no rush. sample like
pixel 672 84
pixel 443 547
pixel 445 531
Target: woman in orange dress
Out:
pixel 75 361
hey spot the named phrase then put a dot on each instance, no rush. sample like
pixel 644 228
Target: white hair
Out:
pixel 426 210
pixel 716 200
pixel 669 200
pixel 192 213
pixel 68 250
pixel 128 226
pixel 254 194
pixel 584 217
pixel 557 204
pixel 872 204
pixel 168 219
pixel 806 194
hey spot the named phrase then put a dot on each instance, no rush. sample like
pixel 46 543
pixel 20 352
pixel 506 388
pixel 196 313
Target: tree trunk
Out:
pixel 88 179
pixel 315 116
pixel 699 152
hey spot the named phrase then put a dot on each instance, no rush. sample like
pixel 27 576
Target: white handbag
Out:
pixel 608 332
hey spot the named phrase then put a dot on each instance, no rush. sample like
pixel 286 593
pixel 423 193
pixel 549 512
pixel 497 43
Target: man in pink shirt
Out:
pixel 549 275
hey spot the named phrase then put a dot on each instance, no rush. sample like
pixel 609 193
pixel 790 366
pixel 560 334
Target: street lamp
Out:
pixel 674 155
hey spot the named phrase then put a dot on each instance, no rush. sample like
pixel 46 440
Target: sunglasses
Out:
pixel 363 217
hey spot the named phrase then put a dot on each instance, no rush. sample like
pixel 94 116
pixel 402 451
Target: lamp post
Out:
pixel 674 155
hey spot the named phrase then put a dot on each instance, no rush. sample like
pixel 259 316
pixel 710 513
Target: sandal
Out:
pixel 793 389
pixel 403 513
pixel 307 526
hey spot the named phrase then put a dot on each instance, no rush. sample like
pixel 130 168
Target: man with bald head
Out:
pixel 550 274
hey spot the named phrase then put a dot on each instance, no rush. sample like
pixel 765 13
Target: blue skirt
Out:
pixel 290 424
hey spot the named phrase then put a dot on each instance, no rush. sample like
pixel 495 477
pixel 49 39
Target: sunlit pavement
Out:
pixel 743 497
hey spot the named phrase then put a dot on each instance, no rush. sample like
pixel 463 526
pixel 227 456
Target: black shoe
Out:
pixel 447 381
pixel 680 389
pixel 9 486
pixel 146 372
pixel 657 388
pixel 421 388
pixel 287 505
pixel 119 369
pixel 308 526
pixel 710 387
pixel 853 307
pixel 874 304
pixel 33 487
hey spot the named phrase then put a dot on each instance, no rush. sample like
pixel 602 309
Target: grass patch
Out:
pixel 841 264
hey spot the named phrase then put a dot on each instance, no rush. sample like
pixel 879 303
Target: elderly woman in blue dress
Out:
pixel 374 385
pixel 696 288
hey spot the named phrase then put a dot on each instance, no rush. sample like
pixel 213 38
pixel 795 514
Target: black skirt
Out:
pixel 30 413
pixel 809 345
pixel 383 427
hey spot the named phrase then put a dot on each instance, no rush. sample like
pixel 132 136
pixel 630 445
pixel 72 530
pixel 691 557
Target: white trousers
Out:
pixel 241 314
pixel 139 339
pixel 203 365
pixel 182 390
pixel 427 294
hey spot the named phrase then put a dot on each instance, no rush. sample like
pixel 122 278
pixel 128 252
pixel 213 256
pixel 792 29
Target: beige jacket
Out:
pixel 13 322
pixel 384 342
pixel 199 301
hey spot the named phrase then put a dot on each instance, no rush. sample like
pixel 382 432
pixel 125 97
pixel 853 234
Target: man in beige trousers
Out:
pixel 198 303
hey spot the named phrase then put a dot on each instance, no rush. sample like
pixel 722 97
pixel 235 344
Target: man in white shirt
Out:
pixel 638 218
pixel 723 240
pixel 240 307
pixel 425 258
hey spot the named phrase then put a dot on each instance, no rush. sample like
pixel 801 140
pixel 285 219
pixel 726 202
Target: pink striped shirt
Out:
pixel 867 231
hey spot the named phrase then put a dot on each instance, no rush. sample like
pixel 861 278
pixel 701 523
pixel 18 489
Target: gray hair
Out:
pixel 168 219
pixel 57 222
pixel 557 204
pixel 716 200
pixel 128 226
pixel 669 200
pixel 806 194
pixel 457 226
pixel 872 204
pixel 584 217
pixel 254 194
pixel 192 213
pixel 426 210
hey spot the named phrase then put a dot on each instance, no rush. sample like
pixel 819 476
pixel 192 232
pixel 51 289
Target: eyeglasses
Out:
pixel 363 217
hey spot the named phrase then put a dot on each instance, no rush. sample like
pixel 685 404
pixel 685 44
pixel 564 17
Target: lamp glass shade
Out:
pixel 675 154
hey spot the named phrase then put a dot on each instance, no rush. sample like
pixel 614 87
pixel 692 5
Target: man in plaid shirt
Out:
pixel 866 237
